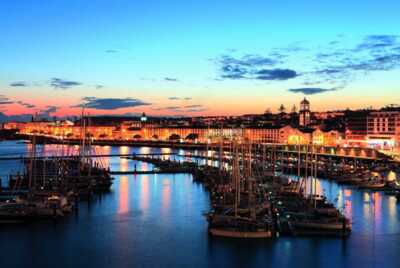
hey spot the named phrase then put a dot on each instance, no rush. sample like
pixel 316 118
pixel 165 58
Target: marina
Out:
pixel 163 200
pixel 199 134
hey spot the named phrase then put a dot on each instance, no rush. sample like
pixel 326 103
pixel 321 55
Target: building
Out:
pixel 327 138
pixel 383 129
pixel 304 113
pixel 131 131
pixel 356 128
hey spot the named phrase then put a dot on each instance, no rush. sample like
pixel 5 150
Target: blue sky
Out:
pixel 221 57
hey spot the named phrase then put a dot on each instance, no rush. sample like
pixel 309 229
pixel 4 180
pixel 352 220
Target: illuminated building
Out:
pixel 326 138
pixel 383 129
pixel 131 131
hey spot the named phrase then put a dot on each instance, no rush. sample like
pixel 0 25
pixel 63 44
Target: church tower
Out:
pixel 305 113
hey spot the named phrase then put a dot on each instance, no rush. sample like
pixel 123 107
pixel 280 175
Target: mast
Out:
pixel 32 164
pixel 83 136
pixel 315 175
pixel 220 151
pixel 236 176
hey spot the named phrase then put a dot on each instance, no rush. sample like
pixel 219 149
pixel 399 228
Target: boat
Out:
pixel 374 182
pixel 314 224
pixel 11 213
pixel 247 215
pixel 349 179
pixel 235 227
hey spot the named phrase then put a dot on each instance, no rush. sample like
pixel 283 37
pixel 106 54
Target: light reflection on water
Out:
pixel 156 220
pixel 123 195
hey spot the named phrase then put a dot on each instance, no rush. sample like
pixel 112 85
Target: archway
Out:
pixel 192 136
pixel 137 137
pixel 174 137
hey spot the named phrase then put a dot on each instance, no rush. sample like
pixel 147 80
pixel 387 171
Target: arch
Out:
pixel 192 136
pixel 137 137
pixel 174 137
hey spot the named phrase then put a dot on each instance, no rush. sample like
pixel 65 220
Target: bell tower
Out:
pixel 305 113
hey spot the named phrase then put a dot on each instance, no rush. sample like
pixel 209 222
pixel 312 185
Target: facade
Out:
pixel 383 129
pixel 356 123
pixel 136 131
pixel 327 138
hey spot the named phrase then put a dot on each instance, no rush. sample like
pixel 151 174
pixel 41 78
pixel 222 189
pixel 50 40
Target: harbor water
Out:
pixel 157 221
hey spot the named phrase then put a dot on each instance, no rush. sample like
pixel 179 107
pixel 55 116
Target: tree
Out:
pixel 282 109
pixel 294 109
pixel 268 111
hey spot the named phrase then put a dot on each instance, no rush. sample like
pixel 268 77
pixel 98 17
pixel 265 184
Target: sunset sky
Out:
pixel 208 57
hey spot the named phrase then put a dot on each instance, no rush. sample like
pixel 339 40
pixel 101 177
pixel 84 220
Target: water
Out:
pixel 157 221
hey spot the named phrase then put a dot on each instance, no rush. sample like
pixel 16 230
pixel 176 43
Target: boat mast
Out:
pixel 83 136
pixel 32 164
pixel 236 176
pixel 315 175
pixel 220 151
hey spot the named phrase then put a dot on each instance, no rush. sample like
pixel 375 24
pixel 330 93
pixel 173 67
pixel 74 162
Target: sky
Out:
pixel 192 58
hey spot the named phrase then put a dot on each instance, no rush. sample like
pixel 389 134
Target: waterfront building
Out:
pixel 327 138
pixel 383 129
pixel 356 128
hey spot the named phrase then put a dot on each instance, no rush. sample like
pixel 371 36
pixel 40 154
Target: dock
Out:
pixel 145 172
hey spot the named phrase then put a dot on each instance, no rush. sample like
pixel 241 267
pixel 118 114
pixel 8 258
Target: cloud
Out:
pixel 111 51
pixel 27 105
pixel 378 42
pixel 178 98
pixel 249 60
pixel 194 106
pixel 196 110
pixel 99 86
pixel 311 90
pixel 59 83
pixel 111 103
pixel 187 108
pixel 233 72
pixel 335 63
pixel 170 79
pixel 19 84
pixel 5 100
pixel 169 108
pixel 252 66
pixel 276 74
pixel 50 109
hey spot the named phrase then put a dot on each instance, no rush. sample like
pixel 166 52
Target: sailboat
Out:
pixel 249 216
pixel 312 214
